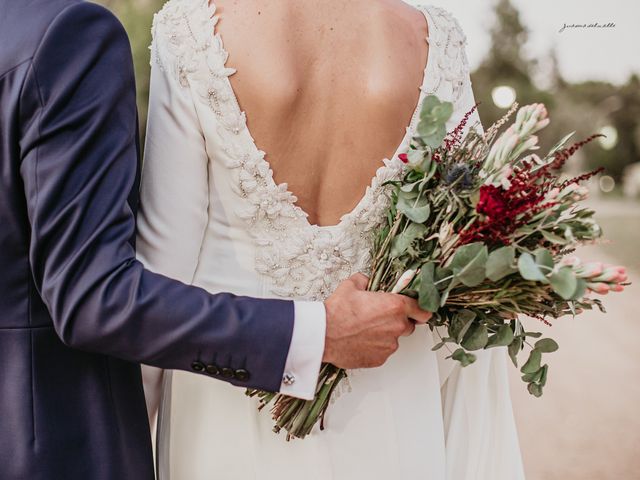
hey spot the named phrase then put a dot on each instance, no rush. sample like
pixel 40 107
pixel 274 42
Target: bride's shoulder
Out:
pixel 183 38
pixel 187 19
pixel 443 23
pixel 446 34
pixel 177 10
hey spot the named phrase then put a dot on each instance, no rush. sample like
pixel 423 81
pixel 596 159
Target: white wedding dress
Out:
pixel 213 216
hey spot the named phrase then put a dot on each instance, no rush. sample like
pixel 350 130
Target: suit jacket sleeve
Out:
pixel 79 167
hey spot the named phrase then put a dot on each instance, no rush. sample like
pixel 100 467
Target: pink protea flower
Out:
pixel 518 138
pixel 610 274
pixel 571 262
pixel 599 287
pixel 590 270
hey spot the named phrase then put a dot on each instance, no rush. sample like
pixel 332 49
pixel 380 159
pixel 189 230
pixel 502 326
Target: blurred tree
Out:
pixel 584 107
pixel 506 65
pixel 136 16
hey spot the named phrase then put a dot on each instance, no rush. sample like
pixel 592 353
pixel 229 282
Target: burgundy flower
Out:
pixel 492 201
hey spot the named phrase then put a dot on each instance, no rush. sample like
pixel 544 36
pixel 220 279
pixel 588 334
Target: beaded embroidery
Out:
pixel 301 260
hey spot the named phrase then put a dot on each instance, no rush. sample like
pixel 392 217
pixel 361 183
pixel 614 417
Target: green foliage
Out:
pixel 417 210
pixel 463 357
pixel 529 269
pixel 502 338
pixel 564 283
pixel 403 242
pixel 501 262
pixel 469 264
pixel 433 118
pixel 136 16
pixel 429 296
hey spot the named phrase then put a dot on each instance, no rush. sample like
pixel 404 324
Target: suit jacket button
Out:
pixel 197 366
pixel 227 372
pixel 242 375
pixel 213 369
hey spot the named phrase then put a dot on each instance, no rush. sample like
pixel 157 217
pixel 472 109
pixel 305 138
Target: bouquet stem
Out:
pixel 298 417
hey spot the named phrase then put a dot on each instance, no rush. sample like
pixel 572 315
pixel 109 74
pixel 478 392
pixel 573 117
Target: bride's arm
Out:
pixel 173 197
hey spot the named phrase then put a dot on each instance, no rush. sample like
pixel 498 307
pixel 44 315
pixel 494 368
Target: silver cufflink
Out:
pixel 288 379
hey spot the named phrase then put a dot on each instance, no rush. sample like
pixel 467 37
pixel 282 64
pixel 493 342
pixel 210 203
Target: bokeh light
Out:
pixel 610 139
pixel 503 96
pixel 607 183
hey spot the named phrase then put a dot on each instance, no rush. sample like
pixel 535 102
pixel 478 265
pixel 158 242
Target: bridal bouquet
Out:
pixel 479 230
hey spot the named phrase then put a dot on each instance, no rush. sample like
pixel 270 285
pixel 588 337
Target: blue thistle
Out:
pixel 460 174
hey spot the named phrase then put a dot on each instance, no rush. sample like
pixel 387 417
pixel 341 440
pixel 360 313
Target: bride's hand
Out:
pixel 363 327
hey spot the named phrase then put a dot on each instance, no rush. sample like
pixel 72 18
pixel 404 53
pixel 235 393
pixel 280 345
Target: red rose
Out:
pixel 403 158
pixel 492 202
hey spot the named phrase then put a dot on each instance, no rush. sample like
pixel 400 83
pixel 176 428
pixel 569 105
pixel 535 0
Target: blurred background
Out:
pixel 580 58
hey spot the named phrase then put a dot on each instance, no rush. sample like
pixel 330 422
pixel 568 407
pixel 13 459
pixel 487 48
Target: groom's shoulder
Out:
pixel 24 25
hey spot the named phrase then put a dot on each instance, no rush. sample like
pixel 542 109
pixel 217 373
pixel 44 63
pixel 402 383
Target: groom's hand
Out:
pixel 363 327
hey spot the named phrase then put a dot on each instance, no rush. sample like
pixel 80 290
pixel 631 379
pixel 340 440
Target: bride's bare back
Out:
pixel 339 78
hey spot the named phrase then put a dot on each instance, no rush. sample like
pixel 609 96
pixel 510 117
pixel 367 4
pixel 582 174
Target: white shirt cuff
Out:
pixel 302 367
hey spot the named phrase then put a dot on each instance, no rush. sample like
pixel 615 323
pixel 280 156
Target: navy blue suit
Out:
pixel 77 311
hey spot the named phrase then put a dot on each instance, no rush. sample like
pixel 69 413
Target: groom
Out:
pixel 78 313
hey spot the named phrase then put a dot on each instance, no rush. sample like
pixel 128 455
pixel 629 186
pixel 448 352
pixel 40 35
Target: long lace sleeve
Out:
pixel 174 185
pixel 174 189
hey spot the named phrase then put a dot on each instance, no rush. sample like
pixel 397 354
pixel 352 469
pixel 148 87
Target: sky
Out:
pixel 610 54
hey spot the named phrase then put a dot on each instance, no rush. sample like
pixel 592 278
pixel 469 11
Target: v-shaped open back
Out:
pixel 409 130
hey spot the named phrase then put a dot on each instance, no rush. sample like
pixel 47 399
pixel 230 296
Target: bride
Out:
pixel 264 176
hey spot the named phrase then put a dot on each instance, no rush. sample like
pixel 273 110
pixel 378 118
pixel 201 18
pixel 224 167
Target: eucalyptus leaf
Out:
pixel 469 263
pixel 535 389
pixel 415 214
pixel 427 272
pixel 544 257
pixel 502 338
pixel 546 345
pixel 476 338
pixel 428 294
pixel 581 289
pixel 529 269
pixel 553 238
pixel 533 377
pixel 514 349
pixel 564 283
pixel 463 357
pixel 460 324
pixel 433 119
pixel 501 262
pixel 533 334
pixel 543 377
pixel 403 241
pixel 533 363
pixel 430 168
pixel 442 272
pixel 410 187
